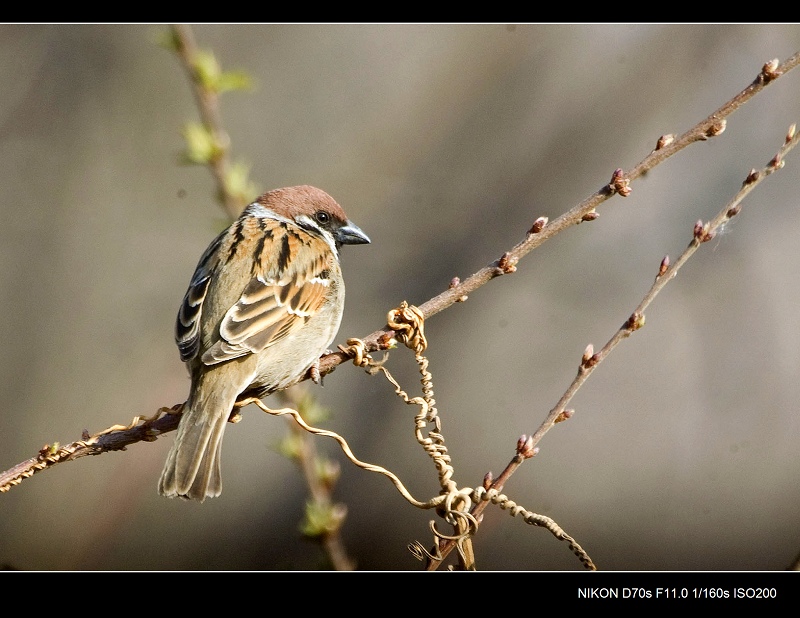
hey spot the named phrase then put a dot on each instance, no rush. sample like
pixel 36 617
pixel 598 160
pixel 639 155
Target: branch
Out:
pixel 542 230
pixel 117 438
pixel 206 80
pixel 702 233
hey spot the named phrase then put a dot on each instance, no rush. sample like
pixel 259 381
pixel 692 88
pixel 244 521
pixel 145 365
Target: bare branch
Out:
pixel 208 104
pixel 701 233
pixel 543 230
pixel 117 438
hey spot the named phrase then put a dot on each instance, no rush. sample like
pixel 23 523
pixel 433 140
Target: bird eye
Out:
pixel 322 217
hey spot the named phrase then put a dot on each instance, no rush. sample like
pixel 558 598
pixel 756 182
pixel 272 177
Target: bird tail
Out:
pixel 192 469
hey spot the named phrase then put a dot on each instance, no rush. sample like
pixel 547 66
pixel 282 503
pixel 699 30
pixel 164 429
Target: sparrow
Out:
pixel 264 303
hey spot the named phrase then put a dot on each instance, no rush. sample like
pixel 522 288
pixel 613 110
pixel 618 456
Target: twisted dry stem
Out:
pixel 454 505
pixel 345 449
pixel 407 321
pixel 492 495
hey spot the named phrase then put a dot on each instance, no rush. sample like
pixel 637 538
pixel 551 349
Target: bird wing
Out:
pixel 291 278
pixel 187 326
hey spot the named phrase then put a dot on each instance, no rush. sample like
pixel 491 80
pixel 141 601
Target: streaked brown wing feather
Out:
pixel 187 326
pixel 283 294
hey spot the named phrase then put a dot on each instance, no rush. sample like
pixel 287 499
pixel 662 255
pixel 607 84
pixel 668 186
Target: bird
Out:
pixel 264 304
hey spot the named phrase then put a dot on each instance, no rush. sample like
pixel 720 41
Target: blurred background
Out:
pixel 443 143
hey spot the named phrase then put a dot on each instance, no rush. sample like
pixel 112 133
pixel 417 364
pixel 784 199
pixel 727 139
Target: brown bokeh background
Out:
pixel 444 143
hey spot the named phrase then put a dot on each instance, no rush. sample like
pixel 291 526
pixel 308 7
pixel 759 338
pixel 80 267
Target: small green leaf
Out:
pixel 312 412
pixel 208 70
pixel 238 184
pixel 322 519
pixel 201 147
pixel 327 471
pixel 168 39
pixel 291 446
pixel 234 80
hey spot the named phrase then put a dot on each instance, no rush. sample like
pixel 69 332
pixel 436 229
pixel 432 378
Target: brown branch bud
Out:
pixel 48 450
pixel 507 264
pixel 590 216
pixel 703 232
pixel 662 268
pixel 790 134
pixel 776 162
pixel 664 141
pixel 387 341
pixel 769 71
pixel 635 322
pixel 620 184
pixel 538 225
pixel 454 283
pixel 717 128
pixel 488 479
pixel 751 177
pixel 733 211
pixel 525 447
pixel 588 359
pixel 565 415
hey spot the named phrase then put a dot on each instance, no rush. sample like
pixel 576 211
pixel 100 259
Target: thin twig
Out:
pixel 208 105
pixel 701 233
pixel 458 291
pixel 542 230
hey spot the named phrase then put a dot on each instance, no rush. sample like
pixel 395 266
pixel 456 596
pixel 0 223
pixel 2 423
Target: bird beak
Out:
pixel 351 234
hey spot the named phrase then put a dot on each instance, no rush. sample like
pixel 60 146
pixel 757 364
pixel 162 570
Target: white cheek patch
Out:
pixel 262 212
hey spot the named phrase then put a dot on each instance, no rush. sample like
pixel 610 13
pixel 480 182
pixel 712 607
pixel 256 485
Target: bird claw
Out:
pixel 314 373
